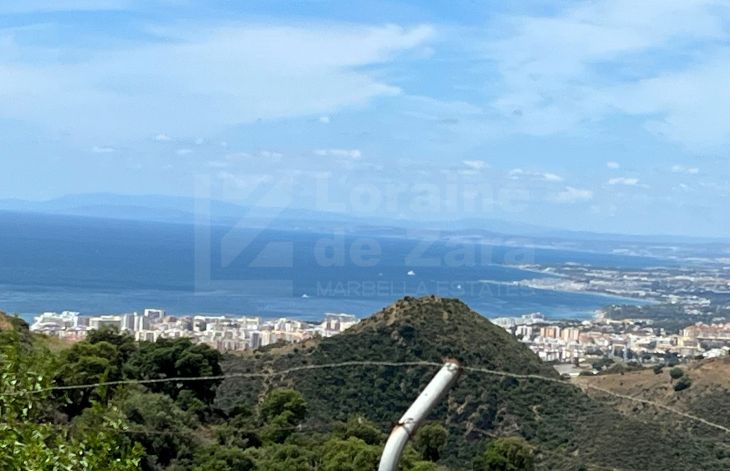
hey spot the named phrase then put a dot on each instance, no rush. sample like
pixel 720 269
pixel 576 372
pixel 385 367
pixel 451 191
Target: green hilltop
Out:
pixel 324 419
pixel 569 429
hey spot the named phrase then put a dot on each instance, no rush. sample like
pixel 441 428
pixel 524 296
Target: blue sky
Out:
pixel 604 115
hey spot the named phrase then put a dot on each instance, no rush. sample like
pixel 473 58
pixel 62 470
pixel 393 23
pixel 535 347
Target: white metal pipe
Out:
pixel 417 413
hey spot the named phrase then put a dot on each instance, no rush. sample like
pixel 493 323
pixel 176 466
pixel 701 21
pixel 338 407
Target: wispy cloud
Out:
pixel 45 6
pixel 475 164
pixel 103 150
pixel 220 76
pixel 613 165
pixel 518 173
pixel 353 154
pixel 572 195
pixel 625 181
pixel 683 169
pixel 571 69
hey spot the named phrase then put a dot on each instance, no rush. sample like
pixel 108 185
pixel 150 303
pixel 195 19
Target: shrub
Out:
pixel 683 383
pixel 676 372
pixel 506 454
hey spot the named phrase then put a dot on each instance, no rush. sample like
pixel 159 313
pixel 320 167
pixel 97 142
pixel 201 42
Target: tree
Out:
pixel 222 458
pixel 168 358
pixel 360 427
pixel 506 454
pixel 30 442
pixel 602 363
pixel 430 441
pixel 351 454
pixel 125 343
pixel 683 383
pixel 166 432
pixel 676 372
pixel 280 412
pixel 86 363
pixel 240 431
pixel 423 466
pixel 283 457
pixel 281 401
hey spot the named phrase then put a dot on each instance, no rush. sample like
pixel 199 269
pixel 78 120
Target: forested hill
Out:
pixel 568 429
pixel 328 419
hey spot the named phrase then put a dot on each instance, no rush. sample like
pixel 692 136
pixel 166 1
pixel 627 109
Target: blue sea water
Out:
pixel 111 266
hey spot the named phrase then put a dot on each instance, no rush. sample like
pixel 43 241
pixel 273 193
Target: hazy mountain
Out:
pixel 183 210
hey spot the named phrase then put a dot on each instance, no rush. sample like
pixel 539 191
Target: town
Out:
pixel 637 340
pixel 224 333
pixel 558 341
pixel 668 315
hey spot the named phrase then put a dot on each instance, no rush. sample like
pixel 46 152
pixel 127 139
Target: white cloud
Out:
pixel 626 181
pixel 572 195
pixel 270 154
pixel 613 165
pixel 324 119
pixel 162 137
pixel 518 173
pixel 184 151
pixel 683 169
pixel 475 164
pixel 586 63
pixel 220 76
pixel 46 6
pixel 353 154
pixel 687 106
pixel 103 150
pixel 551 177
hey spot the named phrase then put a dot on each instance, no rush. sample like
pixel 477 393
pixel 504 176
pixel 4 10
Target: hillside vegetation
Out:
pixel 707 395
pixel 333 419
pixel 568 429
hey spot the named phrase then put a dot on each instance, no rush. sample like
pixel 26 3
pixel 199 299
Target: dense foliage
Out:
pixel 506 454
pixel 29 437
pixel 170 426
pixel 326 419
pixel 565 428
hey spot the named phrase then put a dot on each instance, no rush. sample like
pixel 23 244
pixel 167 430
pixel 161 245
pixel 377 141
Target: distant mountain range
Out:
pixel 186 210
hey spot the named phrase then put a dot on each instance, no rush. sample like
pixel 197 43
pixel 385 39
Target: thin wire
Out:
pixel 660 406
pixel 605 391
pixel 184 379
pixel 515 375
pixel 347 364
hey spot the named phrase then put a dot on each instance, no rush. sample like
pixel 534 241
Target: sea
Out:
pixel 107 266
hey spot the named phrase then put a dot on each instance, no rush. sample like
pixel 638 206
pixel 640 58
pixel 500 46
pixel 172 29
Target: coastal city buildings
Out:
pixel 562 341
pixel 224 333
pixel 628 339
